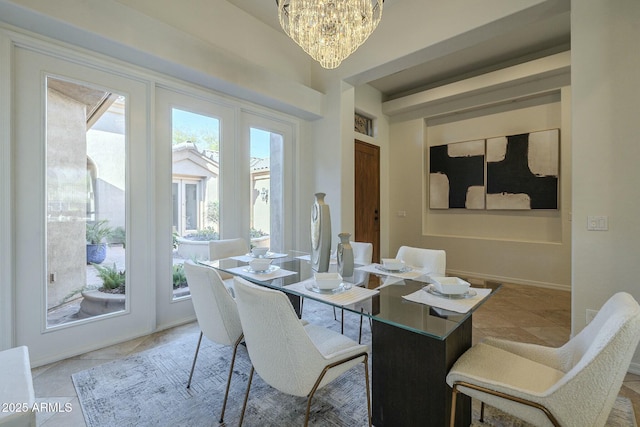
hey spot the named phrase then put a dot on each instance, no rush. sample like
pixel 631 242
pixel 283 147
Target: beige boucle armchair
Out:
pixel 573 385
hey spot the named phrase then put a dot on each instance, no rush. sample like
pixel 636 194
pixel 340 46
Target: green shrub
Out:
pixel 111 278
pixel 179 278
pixel 253 233
pixel 118 236
pixel 98 231
pixel 203 235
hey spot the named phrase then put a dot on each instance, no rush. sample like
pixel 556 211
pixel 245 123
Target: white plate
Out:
pixel 271 269
pixel 267 255
pixel 433 291
pixel 341 288
pixel 386 270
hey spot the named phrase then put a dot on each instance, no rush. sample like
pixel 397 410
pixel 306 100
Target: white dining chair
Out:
pixel 573 385
pixel 216 312
pixel 362 253
pixel 292 357
pixel 432 261
pixel 225 248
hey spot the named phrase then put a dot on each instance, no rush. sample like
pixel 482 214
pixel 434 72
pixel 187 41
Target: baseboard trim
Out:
pixel 513 280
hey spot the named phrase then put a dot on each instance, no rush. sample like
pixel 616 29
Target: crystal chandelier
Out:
pixel 329 30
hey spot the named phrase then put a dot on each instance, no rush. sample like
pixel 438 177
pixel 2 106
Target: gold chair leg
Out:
pixel 233 361
pixel 454 398
pixel 526 402
pixel 321 376
pixel 246 397
pixel 195 356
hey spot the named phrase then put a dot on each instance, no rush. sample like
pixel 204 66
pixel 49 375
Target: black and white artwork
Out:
pixel 522 171
pixel 456 178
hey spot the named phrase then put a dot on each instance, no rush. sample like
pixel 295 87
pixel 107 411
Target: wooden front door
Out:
pixel 367 196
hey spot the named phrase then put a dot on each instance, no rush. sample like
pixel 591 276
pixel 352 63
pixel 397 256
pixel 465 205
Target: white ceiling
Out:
pixel 547 35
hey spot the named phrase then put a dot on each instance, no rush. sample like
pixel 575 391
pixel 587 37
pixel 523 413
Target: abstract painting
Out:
pixel 523 171
pixel 456 175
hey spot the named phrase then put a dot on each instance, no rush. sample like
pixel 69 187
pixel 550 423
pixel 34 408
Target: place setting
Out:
pixel 449 293
pixel 261 269
pixel 258 252
pixel 332 288
pixel 393 267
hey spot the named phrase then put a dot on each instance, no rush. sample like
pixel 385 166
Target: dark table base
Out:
pixel 408 377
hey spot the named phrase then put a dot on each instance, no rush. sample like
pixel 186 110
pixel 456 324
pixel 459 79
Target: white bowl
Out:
pixel 260 264
pixel 328 280
pixel 392 263
pixel 259 252
pixel 450 285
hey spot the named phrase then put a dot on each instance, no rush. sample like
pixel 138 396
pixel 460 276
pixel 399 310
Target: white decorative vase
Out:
pixel 345 255
pixel 320 234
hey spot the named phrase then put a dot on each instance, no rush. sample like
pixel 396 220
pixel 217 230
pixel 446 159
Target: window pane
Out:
pixel 86 185
pixel 266 150
pixel 191 206
pixel 196 169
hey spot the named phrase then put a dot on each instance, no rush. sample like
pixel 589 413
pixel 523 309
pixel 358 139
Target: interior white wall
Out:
pixel 111 28
pixel 520 242
pixel 214 21
pixel 503 245
pixel 606 89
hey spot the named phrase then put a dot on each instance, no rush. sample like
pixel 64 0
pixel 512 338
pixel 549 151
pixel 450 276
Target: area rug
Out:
pixel 621 416
pixel 149 389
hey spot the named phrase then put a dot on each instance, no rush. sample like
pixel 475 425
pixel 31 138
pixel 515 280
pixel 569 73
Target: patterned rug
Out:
pixel 621 416
pixel 149 389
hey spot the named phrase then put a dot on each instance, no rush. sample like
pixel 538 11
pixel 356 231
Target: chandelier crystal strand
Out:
pixel 329 30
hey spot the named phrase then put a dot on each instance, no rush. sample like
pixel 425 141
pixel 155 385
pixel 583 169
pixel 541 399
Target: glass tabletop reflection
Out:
pixel 387 306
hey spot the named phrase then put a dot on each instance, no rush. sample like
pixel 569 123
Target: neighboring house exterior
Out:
pixel 194 187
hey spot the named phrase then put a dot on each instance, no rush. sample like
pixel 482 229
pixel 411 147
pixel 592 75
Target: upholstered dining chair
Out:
pixel 362 253
pixel 216 312
pixel 225 248
pixel 573 385
pixel 292 357
pixel 432 261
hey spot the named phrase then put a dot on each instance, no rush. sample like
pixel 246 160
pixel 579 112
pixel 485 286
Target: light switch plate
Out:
pixel 597 223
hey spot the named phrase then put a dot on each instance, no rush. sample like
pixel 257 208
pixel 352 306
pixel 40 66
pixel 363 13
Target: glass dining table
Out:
pixel 413 344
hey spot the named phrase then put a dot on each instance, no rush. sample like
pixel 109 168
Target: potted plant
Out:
pixel 196 245
pixel 110 297
pixel 97 232
pixel 112 279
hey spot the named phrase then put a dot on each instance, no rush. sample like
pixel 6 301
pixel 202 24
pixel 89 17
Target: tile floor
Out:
pixel 516 312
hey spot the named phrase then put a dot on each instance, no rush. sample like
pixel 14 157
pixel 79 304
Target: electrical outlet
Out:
pixel 590 315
